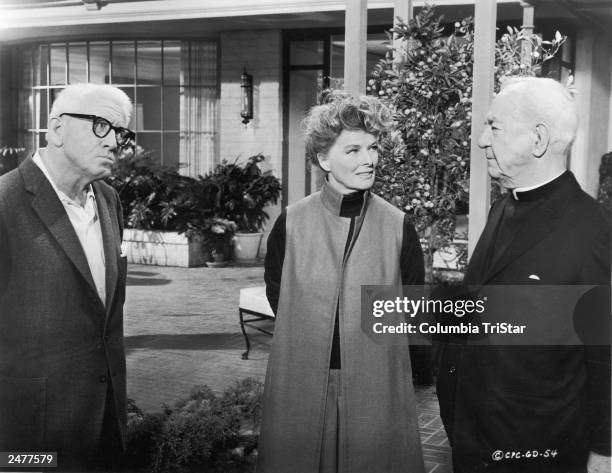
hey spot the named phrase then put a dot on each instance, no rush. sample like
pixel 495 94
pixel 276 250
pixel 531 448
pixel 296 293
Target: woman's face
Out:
pixel 351 160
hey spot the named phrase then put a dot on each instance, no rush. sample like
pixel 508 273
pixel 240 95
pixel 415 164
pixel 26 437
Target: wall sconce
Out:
pixel 246 87
pixel 93 5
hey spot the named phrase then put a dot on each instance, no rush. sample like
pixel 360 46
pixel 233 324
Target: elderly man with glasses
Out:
pixel 62 287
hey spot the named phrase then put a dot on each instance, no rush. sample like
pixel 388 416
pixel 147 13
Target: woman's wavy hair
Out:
pixel 340 111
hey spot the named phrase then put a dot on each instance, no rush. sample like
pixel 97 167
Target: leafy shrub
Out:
pixel 143 434
pixel 231 198
pixel 199 432
pixel 156 197
pixel 243 191
pixel 246 396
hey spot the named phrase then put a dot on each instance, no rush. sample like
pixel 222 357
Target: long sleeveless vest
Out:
pixel 378 423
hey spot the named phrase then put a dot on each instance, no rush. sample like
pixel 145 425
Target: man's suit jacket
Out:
pixel 61 349
pixel 519 398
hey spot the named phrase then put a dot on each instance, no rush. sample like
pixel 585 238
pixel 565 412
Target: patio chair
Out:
pixel 253 302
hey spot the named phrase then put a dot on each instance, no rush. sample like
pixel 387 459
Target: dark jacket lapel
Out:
pixel 535 228
pixel 48 207
pixel 111 251
pixel 477 266
pixel 540 222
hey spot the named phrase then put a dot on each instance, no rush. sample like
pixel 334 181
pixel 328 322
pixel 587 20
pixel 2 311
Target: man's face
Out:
pixel 507 142
pixel 351 161
pixel 88 155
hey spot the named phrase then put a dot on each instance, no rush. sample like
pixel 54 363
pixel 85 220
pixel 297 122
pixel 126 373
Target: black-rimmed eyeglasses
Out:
pixel 102 127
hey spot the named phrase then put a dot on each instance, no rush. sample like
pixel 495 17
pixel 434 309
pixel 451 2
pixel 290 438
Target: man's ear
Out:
pixel 541 140
pixel 55 130
pixel 323 162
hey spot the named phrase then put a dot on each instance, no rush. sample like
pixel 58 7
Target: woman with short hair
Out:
pixel 334 400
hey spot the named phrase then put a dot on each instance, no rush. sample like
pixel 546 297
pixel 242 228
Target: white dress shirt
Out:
pixel 86 224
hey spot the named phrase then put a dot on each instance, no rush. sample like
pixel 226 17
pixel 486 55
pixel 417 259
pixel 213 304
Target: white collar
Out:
pixel 63 197
pixel 530 188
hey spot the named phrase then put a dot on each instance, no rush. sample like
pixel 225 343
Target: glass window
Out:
pixel 58 64
pixel 123 62
pixel 176 123
pixel 171 149
pixel 151 142
pixel 149 98
pixel 43 65
pixel 306 53
pixel 172 62
pixel 149 62
pixel 26 110
pixel 99 62
pixel 136 112
pixel 77 63
pixel 172 108
pixel 40 98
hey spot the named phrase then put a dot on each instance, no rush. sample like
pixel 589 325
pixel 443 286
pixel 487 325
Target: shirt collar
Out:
pixel 62 197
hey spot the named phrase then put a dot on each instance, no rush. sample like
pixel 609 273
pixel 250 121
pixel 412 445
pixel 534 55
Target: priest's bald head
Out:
pixel 529 131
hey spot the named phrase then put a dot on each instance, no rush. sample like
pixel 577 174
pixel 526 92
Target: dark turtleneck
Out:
pixel 350 207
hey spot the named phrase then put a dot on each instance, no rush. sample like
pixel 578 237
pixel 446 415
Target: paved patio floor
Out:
pixel 181 330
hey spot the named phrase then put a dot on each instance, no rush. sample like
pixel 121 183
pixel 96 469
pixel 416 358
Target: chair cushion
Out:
pixel 255 300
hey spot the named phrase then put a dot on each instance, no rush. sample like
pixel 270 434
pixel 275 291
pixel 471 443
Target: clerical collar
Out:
pixel 529 194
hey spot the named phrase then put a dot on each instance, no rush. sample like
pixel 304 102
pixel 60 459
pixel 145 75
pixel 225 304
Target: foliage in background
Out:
pixel 424 165
pixel 156 197
pixel 244 190
pixel 218 232
pixel 9 158
pixel 605 182
pixel 199 432
pixel 230 198
pixel 508 57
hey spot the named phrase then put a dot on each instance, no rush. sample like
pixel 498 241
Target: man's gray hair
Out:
pixel 74 96
pixel 544 100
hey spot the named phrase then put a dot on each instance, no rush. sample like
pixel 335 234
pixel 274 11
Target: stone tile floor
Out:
pixel 181 329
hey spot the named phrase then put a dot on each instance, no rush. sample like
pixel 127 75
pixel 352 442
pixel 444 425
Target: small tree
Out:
pixel 427 82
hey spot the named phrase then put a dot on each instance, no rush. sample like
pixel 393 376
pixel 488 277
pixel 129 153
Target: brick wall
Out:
pixel 261 53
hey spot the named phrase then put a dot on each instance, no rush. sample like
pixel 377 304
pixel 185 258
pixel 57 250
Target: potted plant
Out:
pixel 218 234
pixel 165 214
pixel 243 192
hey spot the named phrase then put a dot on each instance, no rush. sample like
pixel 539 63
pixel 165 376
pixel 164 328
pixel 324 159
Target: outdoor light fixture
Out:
pixel 93 5
pixel 246 86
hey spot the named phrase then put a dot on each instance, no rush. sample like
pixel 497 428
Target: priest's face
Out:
pixel 507 141
pixel 351 161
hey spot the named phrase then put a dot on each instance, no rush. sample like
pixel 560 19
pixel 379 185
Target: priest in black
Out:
pixel 532 408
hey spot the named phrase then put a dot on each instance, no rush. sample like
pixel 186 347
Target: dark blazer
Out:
pixel 526 398
pixel 62 359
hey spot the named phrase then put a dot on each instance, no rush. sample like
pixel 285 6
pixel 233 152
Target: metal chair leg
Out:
pixel 245 355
